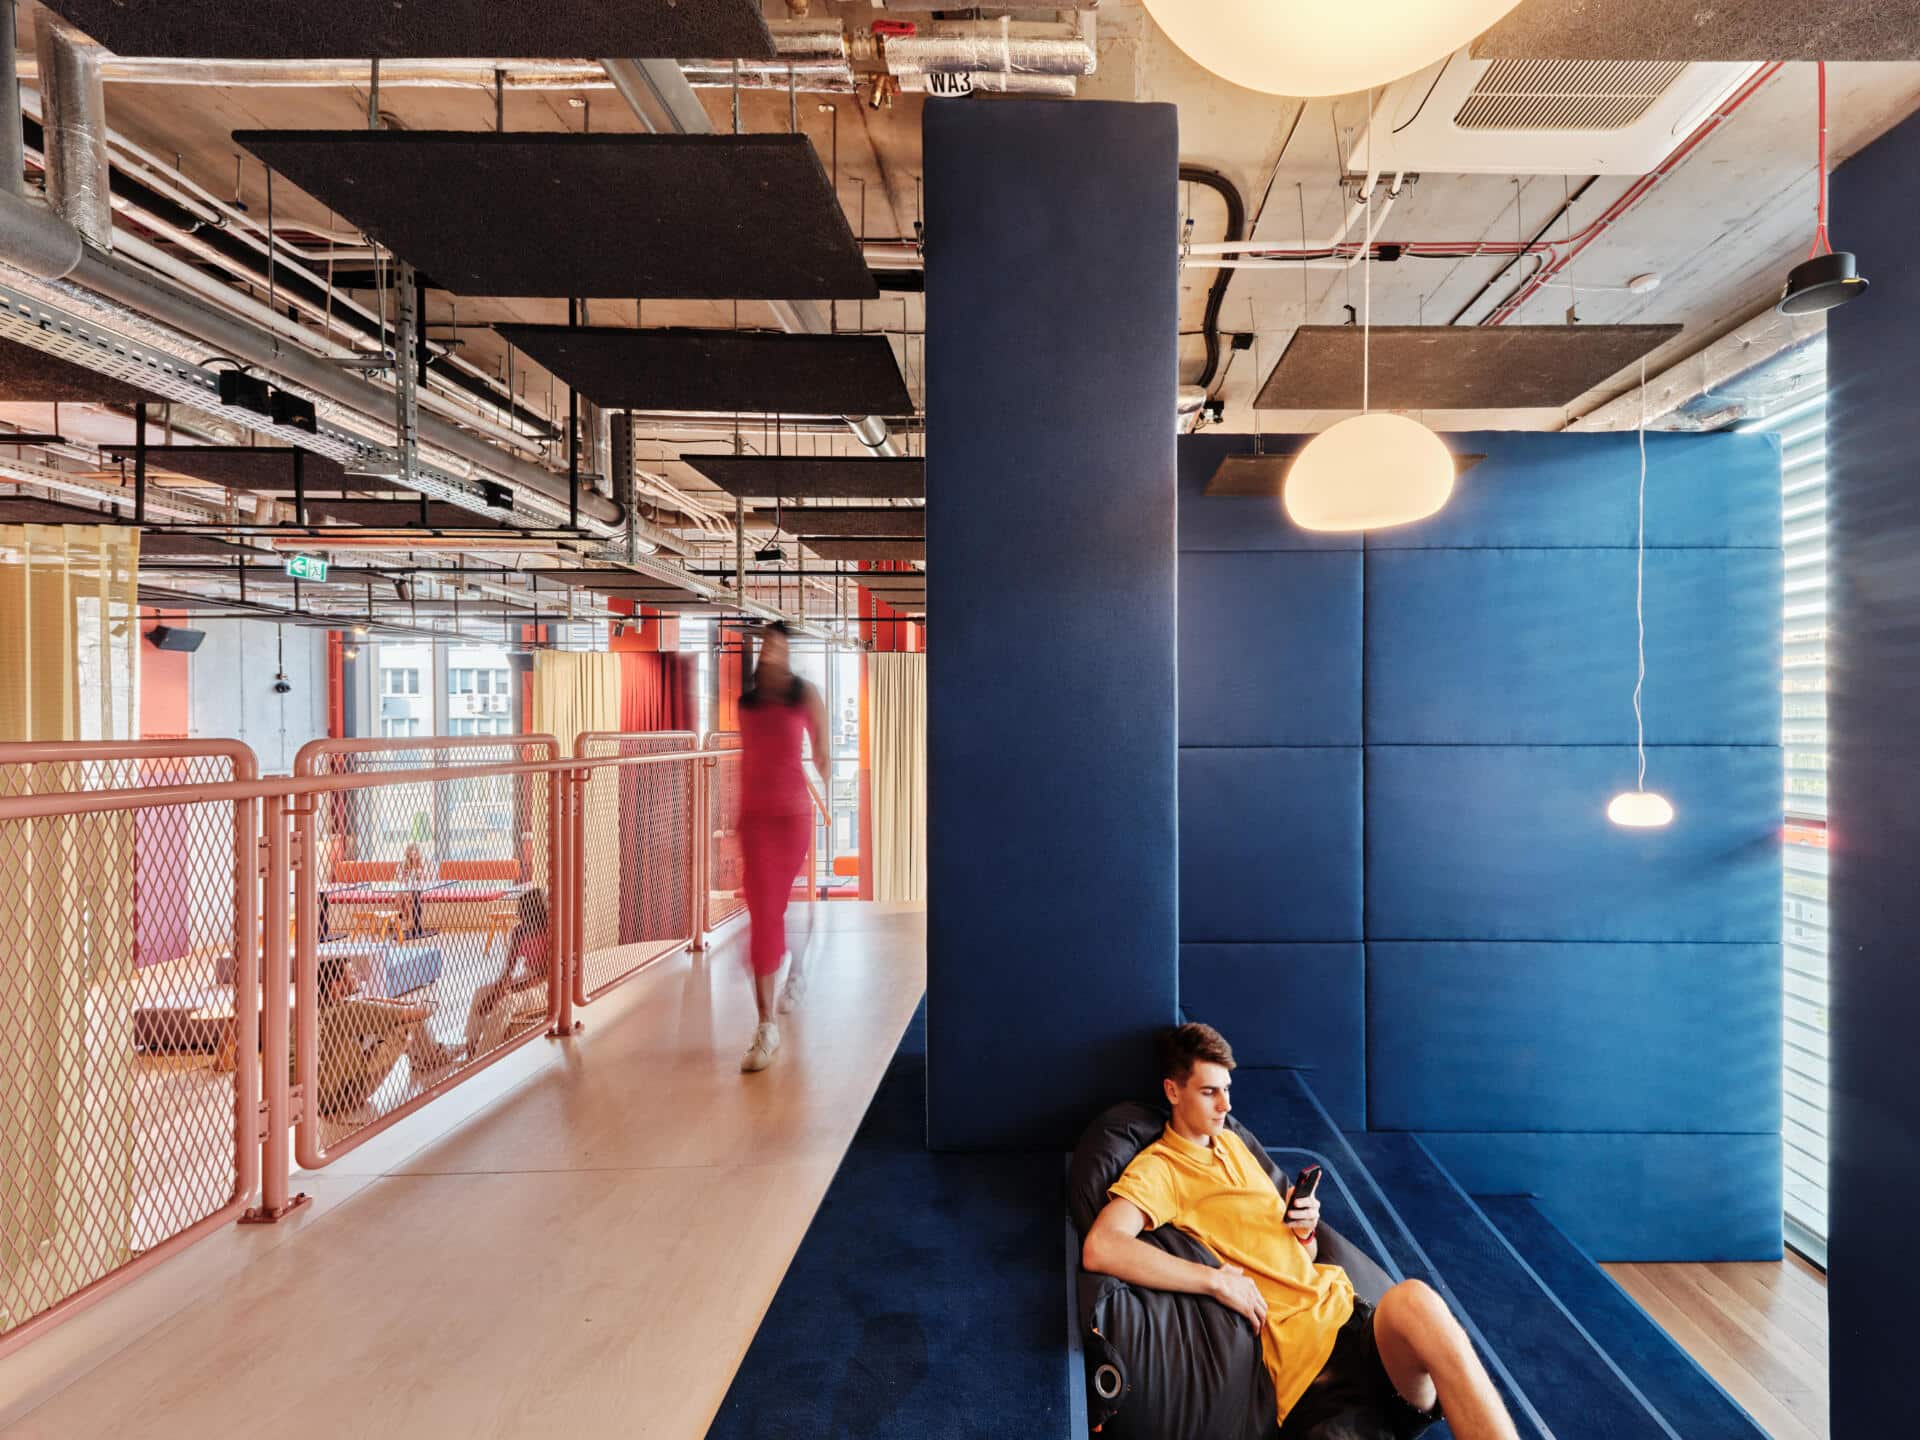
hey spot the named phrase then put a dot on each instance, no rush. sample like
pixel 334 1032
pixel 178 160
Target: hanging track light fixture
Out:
pixel 1309 50
pixel 1827 277
pixel 1375 469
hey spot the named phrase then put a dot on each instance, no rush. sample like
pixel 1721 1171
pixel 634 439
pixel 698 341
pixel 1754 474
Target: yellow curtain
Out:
pixel 899 718
pixel 574 693
pixel 69 656
pixel 69 632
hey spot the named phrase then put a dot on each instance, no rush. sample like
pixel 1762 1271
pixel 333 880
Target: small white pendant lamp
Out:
pixel 1304 48
pixel 1641 808
pixel 1372 470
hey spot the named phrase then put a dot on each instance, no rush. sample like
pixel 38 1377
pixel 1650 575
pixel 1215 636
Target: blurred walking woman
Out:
pixel 776 812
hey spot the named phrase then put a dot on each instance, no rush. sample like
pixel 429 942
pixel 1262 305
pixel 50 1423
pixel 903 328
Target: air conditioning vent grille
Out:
pixel 1565 94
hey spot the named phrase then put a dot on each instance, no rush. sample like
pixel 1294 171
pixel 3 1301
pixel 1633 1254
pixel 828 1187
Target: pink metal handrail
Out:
pixel 248 1115
pixel 684 745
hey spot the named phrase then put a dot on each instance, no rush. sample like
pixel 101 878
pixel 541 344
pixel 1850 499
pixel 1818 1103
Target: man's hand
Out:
pixel 1303 1216
pixel 1233 1289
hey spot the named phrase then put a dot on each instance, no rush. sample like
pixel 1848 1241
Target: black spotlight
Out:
pixel 1821 283
pixel 771 555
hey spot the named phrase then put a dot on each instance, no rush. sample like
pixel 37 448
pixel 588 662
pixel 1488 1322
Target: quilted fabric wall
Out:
pixel 1396 869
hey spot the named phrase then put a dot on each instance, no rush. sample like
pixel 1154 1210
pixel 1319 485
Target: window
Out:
pixel 1798 415
pixel 400 682
pixel 399 726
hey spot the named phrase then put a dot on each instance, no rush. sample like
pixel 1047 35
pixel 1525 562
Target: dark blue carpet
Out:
pixel 1693 1404
pixel 1569 1384
pixel 925 1297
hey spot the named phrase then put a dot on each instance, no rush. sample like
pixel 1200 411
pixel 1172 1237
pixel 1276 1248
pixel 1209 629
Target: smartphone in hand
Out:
pixel 1304 1185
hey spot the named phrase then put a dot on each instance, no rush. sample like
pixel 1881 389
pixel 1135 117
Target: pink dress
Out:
pixel 776 816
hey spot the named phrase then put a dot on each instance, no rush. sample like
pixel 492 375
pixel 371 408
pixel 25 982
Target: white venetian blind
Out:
pixel 1800 421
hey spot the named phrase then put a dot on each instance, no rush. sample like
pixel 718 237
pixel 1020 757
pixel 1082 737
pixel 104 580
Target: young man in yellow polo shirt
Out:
pixel 1339 1367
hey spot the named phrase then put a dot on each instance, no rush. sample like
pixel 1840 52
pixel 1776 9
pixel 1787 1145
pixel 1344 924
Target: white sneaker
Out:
pixel 795 991
pixel 766 1040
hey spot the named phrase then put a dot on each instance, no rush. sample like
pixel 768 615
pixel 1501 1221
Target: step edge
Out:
pixel 1658 1416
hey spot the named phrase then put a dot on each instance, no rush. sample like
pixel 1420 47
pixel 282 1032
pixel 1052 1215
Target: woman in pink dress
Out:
pixel 776 815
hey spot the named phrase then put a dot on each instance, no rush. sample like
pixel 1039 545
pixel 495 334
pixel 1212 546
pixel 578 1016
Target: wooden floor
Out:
pixel 579 1242
pixel 1760 1330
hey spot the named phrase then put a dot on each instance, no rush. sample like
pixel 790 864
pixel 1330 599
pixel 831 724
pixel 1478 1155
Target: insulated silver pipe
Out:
pixel 39 243
pixel 658 93
pixel 12 154
pixel 75 106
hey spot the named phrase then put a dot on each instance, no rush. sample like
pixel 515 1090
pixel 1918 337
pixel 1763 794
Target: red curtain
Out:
pixel 656 691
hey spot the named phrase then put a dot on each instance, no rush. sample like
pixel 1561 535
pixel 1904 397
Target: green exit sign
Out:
pixel 306 567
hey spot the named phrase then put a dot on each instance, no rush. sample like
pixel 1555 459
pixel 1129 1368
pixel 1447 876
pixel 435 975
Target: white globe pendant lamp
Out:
pixel 1307 48
pixel 1641 808
pixel 1373 470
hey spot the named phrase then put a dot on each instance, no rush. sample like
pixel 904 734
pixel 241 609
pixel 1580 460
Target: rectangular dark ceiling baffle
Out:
pixel 670 217
pixel 434 30
pixel 32 376
pixel 1259 477
pixel 842 522
pixel 1749 30
pixel 826 477
pixel 400 515
pixel 880 580
pixel 868 549
pixel 1454 367
pixel 266 468
pixel 723 371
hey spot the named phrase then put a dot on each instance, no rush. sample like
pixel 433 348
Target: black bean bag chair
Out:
pixel 1159 1364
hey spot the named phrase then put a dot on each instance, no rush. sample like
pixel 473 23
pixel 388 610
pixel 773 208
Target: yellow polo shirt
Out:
pixel 1219 1195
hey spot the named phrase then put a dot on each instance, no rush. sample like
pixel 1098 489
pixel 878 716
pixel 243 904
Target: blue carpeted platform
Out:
pixel 924 1299
pixel 1689 1399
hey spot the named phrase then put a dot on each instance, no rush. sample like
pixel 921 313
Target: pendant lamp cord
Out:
pixel 1820 224
pixel 1639 591
pixel 1366 276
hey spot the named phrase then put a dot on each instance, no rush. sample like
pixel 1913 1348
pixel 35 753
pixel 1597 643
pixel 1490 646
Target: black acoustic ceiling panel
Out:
pixel 881 580
pixel 1723 30
pixel 436 30
pixel 724 371
pixel 32 376
pixel 265 468
pixel 869 549
pixel 846 522
pixel 400 515
pixel 754 477
pixel 686 217
pixel 1260 477
pixel 1454 367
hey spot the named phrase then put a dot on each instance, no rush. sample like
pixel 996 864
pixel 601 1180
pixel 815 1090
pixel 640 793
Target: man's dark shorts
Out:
pixel 1352 1398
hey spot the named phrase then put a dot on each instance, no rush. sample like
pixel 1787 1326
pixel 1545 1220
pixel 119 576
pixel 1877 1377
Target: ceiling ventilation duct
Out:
pixel 1546 117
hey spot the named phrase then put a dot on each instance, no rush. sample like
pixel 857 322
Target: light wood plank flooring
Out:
pixel 579 1242
pixel 1759 1329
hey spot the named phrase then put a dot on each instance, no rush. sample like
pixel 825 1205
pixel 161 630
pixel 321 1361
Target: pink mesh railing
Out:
pixel 130 1118
pixel 633 829
pixel 723 895
pixel 430 924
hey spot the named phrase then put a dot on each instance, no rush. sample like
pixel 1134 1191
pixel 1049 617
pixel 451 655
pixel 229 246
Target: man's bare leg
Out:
pixel 1427 1356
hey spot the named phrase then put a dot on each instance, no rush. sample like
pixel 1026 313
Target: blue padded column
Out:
pixel 1051 336
pixel 1873 726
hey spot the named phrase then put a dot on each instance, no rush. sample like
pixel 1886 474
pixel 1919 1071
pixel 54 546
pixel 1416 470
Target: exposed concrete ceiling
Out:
pixel 1719 230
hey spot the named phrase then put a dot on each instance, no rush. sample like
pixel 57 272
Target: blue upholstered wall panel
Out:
pixel 1497 667
pixel 1475 842
pixel 1873 723
pixel 1645 1197
pixel 1270 844
pixel 1528 647
pixel 1049 399
pixel 1291 679
pixel 1578 491
pixel 1573 1037
pixel 1299 1007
